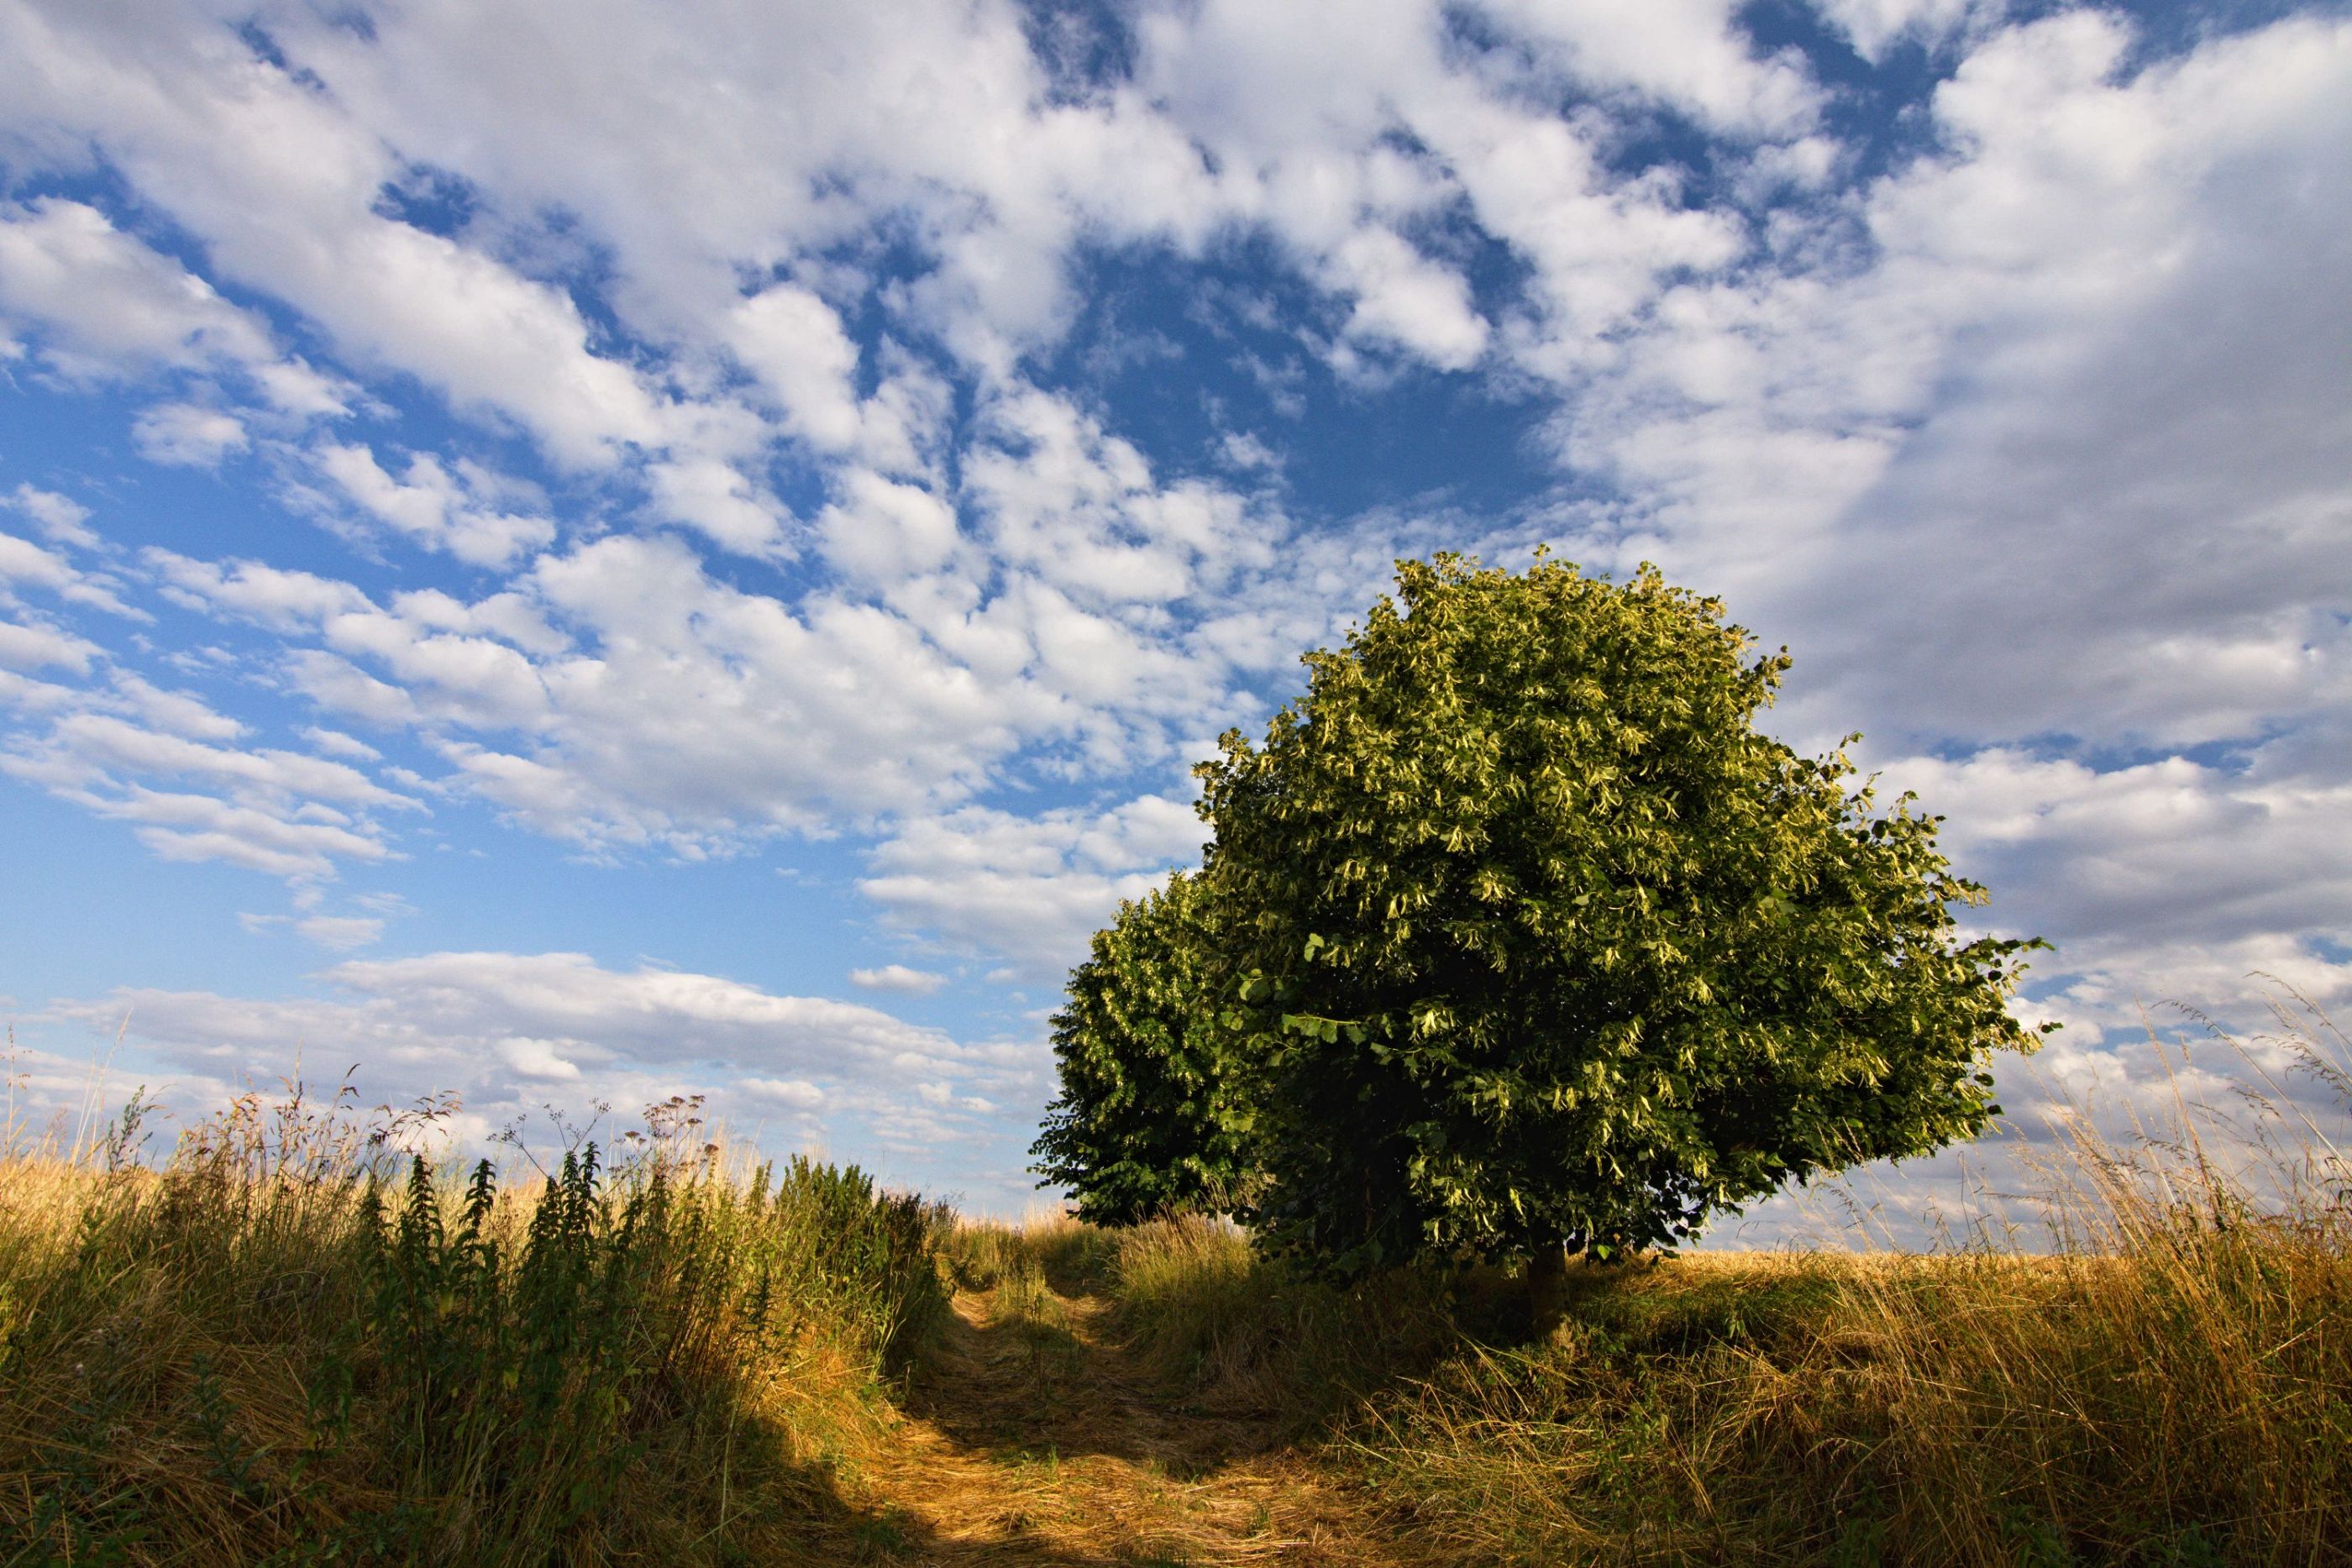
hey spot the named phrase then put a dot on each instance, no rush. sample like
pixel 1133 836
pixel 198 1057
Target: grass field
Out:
pixel 291 1344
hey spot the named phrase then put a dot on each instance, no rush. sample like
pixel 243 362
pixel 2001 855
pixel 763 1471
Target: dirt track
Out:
pixel 1032 1437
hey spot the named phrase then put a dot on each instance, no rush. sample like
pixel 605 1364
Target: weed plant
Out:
pixel 289 1346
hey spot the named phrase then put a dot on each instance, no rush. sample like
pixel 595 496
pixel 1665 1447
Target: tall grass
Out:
pixel 1238 1330
pixel 2159 1373
pixel 289 1344
pixel 292 1343
pixel 2171 1384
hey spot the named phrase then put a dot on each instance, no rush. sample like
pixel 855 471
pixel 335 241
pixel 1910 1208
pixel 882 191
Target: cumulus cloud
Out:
pixel 284 600
pixel 103 305
pixel 620 694
pixel 25 565
pixel 793 342
pixel 32 646
pixel 60 517
pixel 509 1031
pixel 203 129
pixel 434 507
pixel 725 452
pixel 898 978
pixel 111 304
pixel 1878 26
pixel 1034 888
pixel 168 764
pixel 2145 860
pixel 1917 467
pixel 189 435
pixel 1690 54
pixel 1404 297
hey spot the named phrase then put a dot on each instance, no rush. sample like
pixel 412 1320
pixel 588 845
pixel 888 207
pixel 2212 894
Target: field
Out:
pixel 289 1344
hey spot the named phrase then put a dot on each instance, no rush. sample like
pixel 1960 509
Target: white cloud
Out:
pixel 2144 860
pixel 60 517
pixel 285 601
pixel 1080 507
pixel 1686 53
pixel 104 305
pixel 793 343
pixel 898 978
pixel 111 305
pixel 434 507
pixel 798 1093
pixel 716 498
pixel 537 1059
pixel 1030 888
pixel 32 646
pixel 341 932
pixel 620 695
pixel 1877 25
pixel 336 743
pixel 108 742
pixel 802 138
pixel 21 561
pixel 189 435
pixel 282 189
pixel 883 532
pixel 134 753
pixel 1918 470
pixel 1404 297
pixel 504 1029
pixel 25 564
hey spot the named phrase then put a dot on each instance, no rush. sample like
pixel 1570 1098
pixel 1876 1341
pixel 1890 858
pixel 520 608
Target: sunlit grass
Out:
pixel 291 1344
pixel 2160 1371
pixel 2173 1384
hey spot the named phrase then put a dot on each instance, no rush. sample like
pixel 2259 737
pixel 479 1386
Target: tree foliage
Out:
pixel 1541 944
pixel 1149 1121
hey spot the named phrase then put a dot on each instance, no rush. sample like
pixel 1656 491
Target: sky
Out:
pixel 571 554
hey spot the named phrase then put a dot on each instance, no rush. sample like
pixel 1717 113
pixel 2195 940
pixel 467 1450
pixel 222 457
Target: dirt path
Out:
pixel 1032 1437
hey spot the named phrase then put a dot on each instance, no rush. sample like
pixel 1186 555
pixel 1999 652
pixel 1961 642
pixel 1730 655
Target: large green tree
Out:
pixel 1150 1120
pixel 1549 949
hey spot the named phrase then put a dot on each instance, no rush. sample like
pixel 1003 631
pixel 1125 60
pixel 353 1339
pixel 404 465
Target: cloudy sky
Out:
pixel 579 552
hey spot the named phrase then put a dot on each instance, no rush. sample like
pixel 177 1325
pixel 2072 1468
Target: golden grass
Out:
pixel 2171 1385
pixel 243 1357
pixel 214 1362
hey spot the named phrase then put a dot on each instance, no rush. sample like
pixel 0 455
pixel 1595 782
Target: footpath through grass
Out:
pixel 289 1345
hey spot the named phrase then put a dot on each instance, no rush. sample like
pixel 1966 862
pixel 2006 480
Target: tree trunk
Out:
pixel 1547 1290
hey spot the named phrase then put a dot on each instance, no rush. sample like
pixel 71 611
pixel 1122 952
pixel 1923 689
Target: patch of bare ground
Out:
pixel 1032 1435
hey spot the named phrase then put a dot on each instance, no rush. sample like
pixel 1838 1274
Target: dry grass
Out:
pixel 2167 1381
pixel 271 1350
pixel 1041 1431
pixel 223 1361
pixel 2171 1385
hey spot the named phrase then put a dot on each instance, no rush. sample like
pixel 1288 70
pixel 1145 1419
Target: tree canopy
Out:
pixel 1517 937
pixel 1148 1122
pixel 1552 947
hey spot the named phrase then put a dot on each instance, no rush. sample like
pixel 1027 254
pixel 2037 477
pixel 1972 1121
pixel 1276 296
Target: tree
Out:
pixel 1148 1122
pixel 1548 950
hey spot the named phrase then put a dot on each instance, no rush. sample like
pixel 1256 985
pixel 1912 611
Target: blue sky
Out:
pixel 574 554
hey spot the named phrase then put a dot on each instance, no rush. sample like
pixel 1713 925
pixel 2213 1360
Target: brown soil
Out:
pixel 1032 1435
